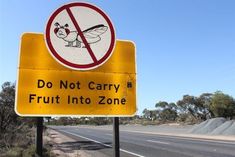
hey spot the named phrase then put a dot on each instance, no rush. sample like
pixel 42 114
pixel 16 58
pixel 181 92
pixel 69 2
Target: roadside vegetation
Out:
pixel 192 109
pixel 17 134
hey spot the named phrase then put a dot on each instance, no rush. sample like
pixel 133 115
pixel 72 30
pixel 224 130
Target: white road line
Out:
pixel 160 142
pixel 123 150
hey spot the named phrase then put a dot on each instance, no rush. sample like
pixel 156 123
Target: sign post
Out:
pixel 39 137
pixel 116 143
pixel 77 68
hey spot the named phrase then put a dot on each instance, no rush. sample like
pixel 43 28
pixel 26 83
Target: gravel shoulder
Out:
pixel 65 146
pixel 57 142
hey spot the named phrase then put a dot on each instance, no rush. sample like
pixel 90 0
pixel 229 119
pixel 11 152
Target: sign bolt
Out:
pixel 129 85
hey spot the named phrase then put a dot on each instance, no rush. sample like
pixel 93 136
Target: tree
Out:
pixel 150 114
pixel 222 105
pixel 146 113
pixel 196 107
pixel 165 105
pixel 167 111
pixel 154 114
pixel 162 105
pixel 7 100
pixel 168 114
pixel 205 100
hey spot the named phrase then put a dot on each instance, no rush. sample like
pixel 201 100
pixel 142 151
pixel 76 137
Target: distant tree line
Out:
pixel 90 120
pixel 193 109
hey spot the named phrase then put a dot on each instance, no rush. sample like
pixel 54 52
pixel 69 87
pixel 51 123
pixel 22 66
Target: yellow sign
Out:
pixel 47 88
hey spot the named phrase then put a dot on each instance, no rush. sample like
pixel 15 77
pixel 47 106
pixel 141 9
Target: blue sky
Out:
pixel 183 46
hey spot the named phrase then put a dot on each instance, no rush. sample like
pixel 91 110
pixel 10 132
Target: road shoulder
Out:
pixel 59 144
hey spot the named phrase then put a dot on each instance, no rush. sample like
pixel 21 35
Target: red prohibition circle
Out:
pixel 96 63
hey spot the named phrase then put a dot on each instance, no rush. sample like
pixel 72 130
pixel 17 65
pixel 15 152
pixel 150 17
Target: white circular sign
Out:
pixel 80 36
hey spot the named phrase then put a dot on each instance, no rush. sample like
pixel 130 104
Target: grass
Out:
pixel 28 152
pixel 21 144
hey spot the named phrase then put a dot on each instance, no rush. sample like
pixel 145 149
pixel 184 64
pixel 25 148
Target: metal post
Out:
pixel 116 145
pixel 39 136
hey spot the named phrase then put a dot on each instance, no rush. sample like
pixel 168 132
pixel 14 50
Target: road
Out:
pixel 137 144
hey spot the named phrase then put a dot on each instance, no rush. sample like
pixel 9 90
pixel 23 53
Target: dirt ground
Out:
pixel 56 141
pixel 61 146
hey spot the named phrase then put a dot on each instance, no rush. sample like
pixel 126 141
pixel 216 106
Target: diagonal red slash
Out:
pixel 81 34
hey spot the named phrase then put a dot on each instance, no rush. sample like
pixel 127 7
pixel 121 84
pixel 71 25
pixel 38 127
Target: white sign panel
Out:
pixel 80 36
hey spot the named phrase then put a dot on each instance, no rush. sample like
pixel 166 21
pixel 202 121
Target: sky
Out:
pixel 182 47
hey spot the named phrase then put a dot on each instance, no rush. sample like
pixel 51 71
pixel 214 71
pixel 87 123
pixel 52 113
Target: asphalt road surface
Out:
pixel 136 144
